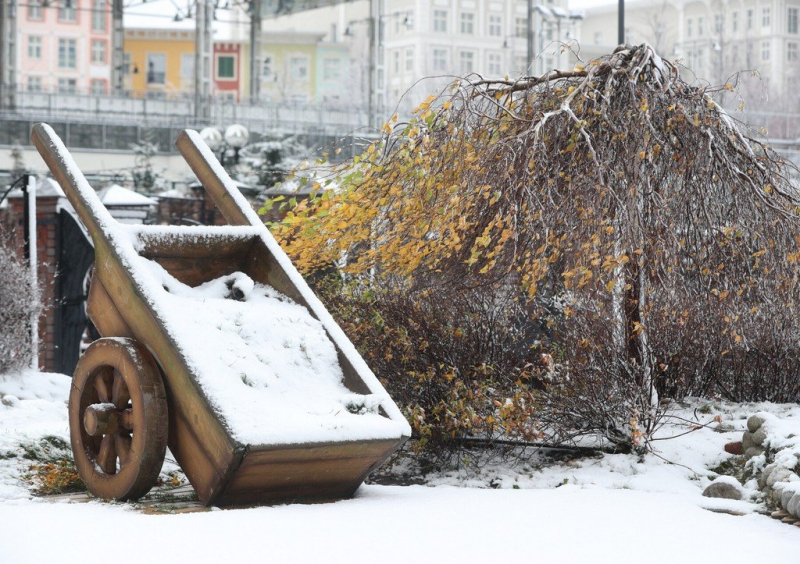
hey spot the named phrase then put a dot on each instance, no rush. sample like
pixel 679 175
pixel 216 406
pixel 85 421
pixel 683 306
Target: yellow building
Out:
pixel 159 62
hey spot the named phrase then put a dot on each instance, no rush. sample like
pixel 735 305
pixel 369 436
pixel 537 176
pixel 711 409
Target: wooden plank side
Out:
pixel 104 314
pixel 213 184
pixel 303 472
pixel 196 245
pixel 195 271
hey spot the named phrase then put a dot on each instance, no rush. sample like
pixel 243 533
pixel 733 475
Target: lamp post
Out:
pixel 376 28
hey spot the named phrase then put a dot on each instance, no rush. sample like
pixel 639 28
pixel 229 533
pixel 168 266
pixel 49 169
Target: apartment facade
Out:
pixel 64 46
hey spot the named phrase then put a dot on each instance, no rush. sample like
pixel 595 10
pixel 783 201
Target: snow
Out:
pixel 412 524
pixel 266 366
pixel 613 509
pixel 116 195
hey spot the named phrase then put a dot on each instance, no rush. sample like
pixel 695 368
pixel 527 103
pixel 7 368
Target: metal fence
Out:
pixel 108 122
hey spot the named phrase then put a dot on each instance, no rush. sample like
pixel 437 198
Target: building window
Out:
pixel 791 21
pixel 467 62
pixel 718 23
pixel 765 17
pixel 735 22
pixel 226 67
pixel 791 51
pixel 331 69
pixel 126 64
pixel 765 51
pixel 34 47
pixel 99 15
pixel 493 64
pixel 97 86
pixel 266 66
pixel 689 27
pixel 99 52
pixel 156 68
pixel 187 66
pixel 67 53
pixel 67 11
pixel 298 68
pixel 34 84
pixel 35 10
pixel 701 58
pixel 700 22
pixel 409 59
pixel 440 60
pixel 467 23
pixel 440 21
pixel 67 85
pixel 495 25
pixel 750 19
pixel 521 27
pixel 598 37
pixel 396 62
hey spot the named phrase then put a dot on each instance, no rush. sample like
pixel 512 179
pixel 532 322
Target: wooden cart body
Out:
pixel 222 470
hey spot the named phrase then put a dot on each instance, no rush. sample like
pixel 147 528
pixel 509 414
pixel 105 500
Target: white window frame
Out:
pixel 466 23
pixel 440 17
pixel 495 25
pixel 99 52
pixel 298 63
pixel 465 57
pixel 67 53
pixel 35 47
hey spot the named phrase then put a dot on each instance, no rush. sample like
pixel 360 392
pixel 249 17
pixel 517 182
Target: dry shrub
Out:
pixel 619 209
pixel 18 301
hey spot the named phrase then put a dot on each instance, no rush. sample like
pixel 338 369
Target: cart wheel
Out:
pixel 118 419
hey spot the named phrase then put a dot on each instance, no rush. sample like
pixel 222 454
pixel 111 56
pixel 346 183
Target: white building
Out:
pixel 713 38
pixel 436 40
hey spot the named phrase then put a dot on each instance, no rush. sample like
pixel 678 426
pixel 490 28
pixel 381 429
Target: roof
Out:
pixel 116 195
pixel 45 188
pixel 169 15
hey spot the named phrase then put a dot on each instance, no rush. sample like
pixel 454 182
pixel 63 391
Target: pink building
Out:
pixel 64 46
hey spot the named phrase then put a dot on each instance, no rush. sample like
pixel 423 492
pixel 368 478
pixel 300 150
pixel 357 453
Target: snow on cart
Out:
pixel 214 345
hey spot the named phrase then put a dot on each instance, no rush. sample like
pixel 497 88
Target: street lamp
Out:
pixel 236 136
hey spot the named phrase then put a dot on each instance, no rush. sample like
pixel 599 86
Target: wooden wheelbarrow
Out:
pixel 156 379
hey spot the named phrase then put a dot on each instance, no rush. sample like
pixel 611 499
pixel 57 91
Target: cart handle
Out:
pixel 83 198
pixel 217 183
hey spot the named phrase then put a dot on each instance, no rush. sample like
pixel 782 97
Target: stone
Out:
pixel 786 495
pixel 754 451
pixel 776 495
pixel 723 490
pixel 762 478
pixel 754 423
pixel 793 507
pixel 759 437
pixel 747 440
pixel 778 475
pixel 734 448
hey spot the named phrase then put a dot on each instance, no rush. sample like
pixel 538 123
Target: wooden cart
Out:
pixel 134 392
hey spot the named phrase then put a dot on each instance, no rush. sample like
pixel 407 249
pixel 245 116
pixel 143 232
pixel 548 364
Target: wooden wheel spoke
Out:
pixel 120 396
pixel 107 457
pixel 102 384
pixel 123 446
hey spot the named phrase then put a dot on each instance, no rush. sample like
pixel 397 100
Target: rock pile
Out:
pixel 774 458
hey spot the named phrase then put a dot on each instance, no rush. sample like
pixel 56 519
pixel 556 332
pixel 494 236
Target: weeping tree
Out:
pixel 618 209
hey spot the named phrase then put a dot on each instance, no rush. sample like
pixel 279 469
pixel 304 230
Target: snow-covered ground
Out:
pixel 616 508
